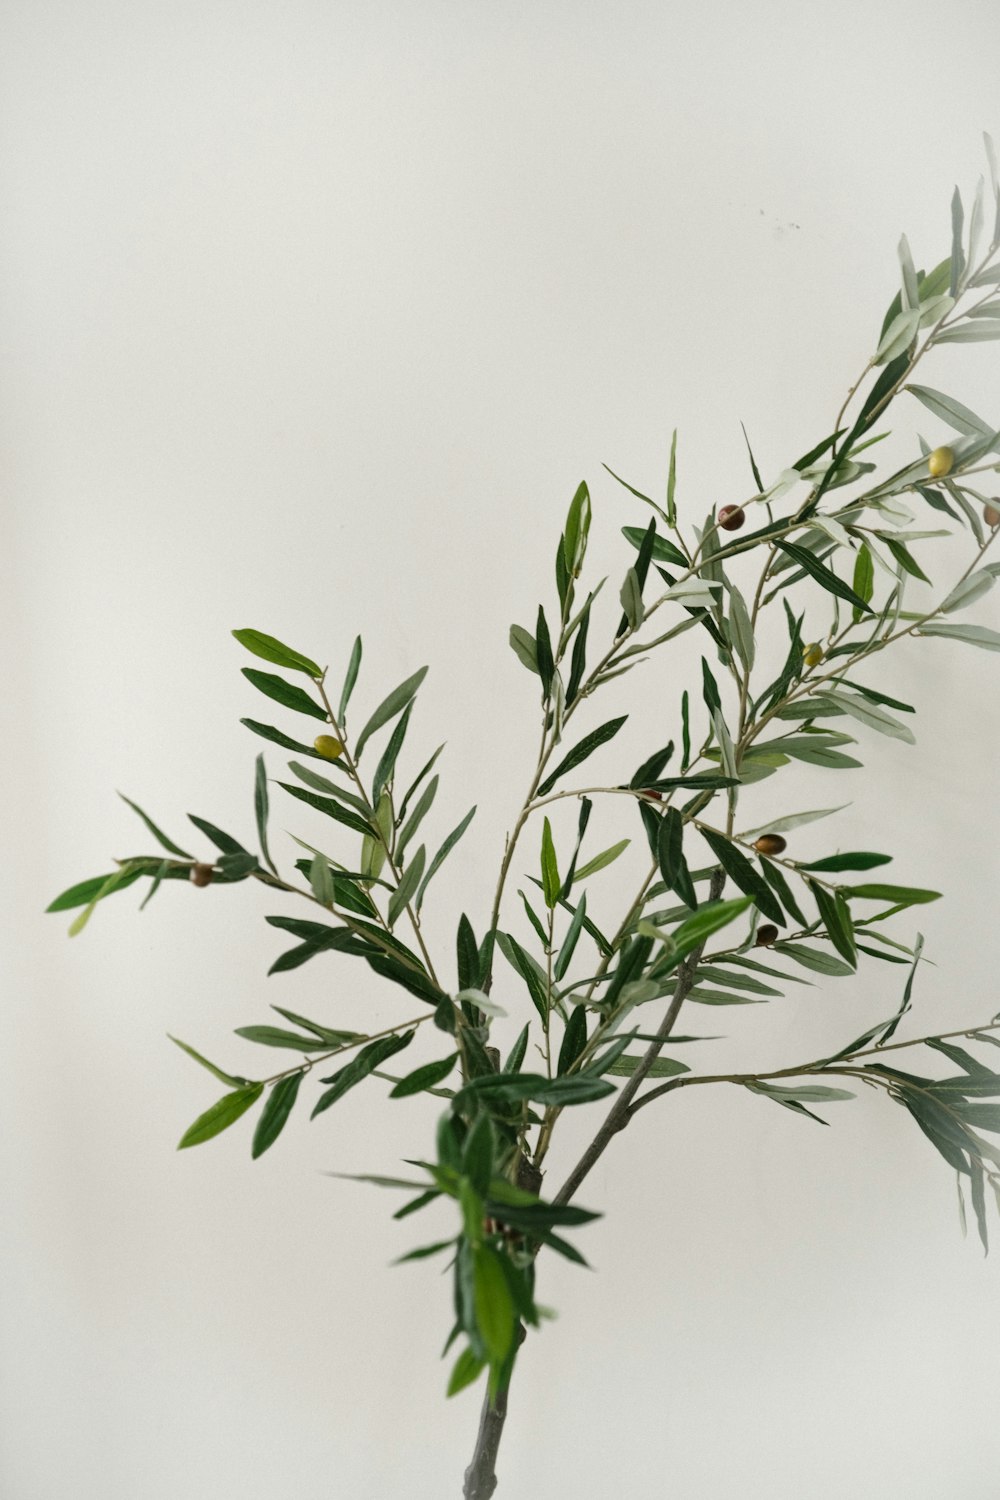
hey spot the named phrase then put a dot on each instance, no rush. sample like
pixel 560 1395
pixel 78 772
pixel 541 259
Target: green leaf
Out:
pixel 285 693
pixel 815 959
pixel 389 708
pixel 233 1079
pixel 662 550
pixel 275 1113
pixel 409 882
pixel 708 919
pixel 551 882
pixel 898 336
pixel 260 810
pixel 864 578
pixel 350 679
pixel 110 883
pixel 325 1033
pixel 477 1153
pixel 225 1112
pixel 578 1088
pixel 574 1039
pixel 223 841
pixel 672 479
pixel 367 1060
pixel 900 895
pixel 574 540
pixel 543 652
pixel 670 857
pixel 522 643
pixel 904 557
pixel 425 1077
pixel 837 920
pixel 529 971
pixel 972 635
pixel 663 1067
pixel 601 861
pixel 86 891
pixel 581 751
pixel 743 874
pixel 957 253
pixel 387 764
pixel 276 1036
pixel 855 861
pixel 329 805
pixel 442 855
pixel 967 592
pixel 950 411
pixel 466 1370
pixel 572 937
pixel 271 650
pixel 631 599
pixel 159 836
pixel 874 717
pixel 321 880
pixel 792 820
pixel 496 1315
pixel 417 816
pixel 268 732
pixel 740 628
pixel 823 575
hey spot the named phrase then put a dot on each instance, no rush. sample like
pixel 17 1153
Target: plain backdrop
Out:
pixel 314 317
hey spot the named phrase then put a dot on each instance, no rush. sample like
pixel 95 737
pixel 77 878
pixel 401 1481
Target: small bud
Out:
pixel 813 654
pixel 201 874
pixel 328 747
pixel 991 515
pixel 767 935
pixel 940 462
pixel 731 517
pixel 770 843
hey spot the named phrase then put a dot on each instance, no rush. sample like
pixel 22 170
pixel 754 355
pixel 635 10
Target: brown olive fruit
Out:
pixel 201 874
pixel 731 517
pixel 991 515
pixel 649 791
pixel 940 462
pixel 770 843
pixel 328 747
pixel 766 935
pixel 813 654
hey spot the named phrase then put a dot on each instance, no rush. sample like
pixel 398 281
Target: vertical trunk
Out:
pixel 481 1476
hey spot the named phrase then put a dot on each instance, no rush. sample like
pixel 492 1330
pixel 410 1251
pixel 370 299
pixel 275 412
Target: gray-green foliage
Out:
pixel 794 609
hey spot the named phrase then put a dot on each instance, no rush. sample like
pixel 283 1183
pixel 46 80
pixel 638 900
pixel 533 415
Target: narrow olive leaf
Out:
pixel 727 751
pixel 874 717
pixel 663 1067
pixel 389 708
pixel 815 959
pixel 321 879
pixel 877 697
pixel 856 861
pixel 535 920
pixel 325 1034
pixel 285 693
pixel 902 895
pixel 951 411
pixel 976 331
pixel 580 752
pixel 350 679
pixel 663 551
pixel 275 1113
pixel 740 628
pixel 409 881
pixel 386 769
pixel 260 803
pixel 268 732
pixel 696 929
pixel 578 664
pixel 776 880
pixel 159 836
pixel 86 891
pixel 425 1077
pixel 967 592
pixel 225 1112
pixel 320 783
pixel 411 825
pixel 161 871
pixel 331 806
pixel 911 294
pixel 271 650
pixel 601 861
pixel 957 252
pixel 672 478
pixel 972 635
pixel 742 873
pixel 522 643
pixel 864 578
pixel 898 336
pixel 366 1061
pixel 574 1040
pixel 569 943
pixel 223 841
pixel 465 1371
pixel 710 689
pixel 836 919
pixel 543 652
pixel 442 855
pixel 233 1079
pixel 792 820
pixel 277 1036
pixel 670 857
pixel 978 1195
pixel 551 883
pixel 904 557
pixel 577 530
pixel 631 600
pixel 823 575
pixel 652 768
pixel 529 971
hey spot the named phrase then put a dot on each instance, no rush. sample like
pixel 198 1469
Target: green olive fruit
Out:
pixel 328 747
pixel 731 517
pixel 770 843
pixel 812 655
pixel 940 462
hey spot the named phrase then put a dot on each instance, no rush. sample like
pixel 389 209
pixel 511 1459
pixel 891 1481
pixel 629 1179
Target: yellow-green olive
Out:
pixel 328 747
pixel 813 654
pixel 940 462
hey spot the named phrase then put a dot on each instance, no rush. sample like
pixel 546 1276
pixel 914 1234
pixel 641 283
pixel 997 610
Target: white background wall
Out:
pixel 315 315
